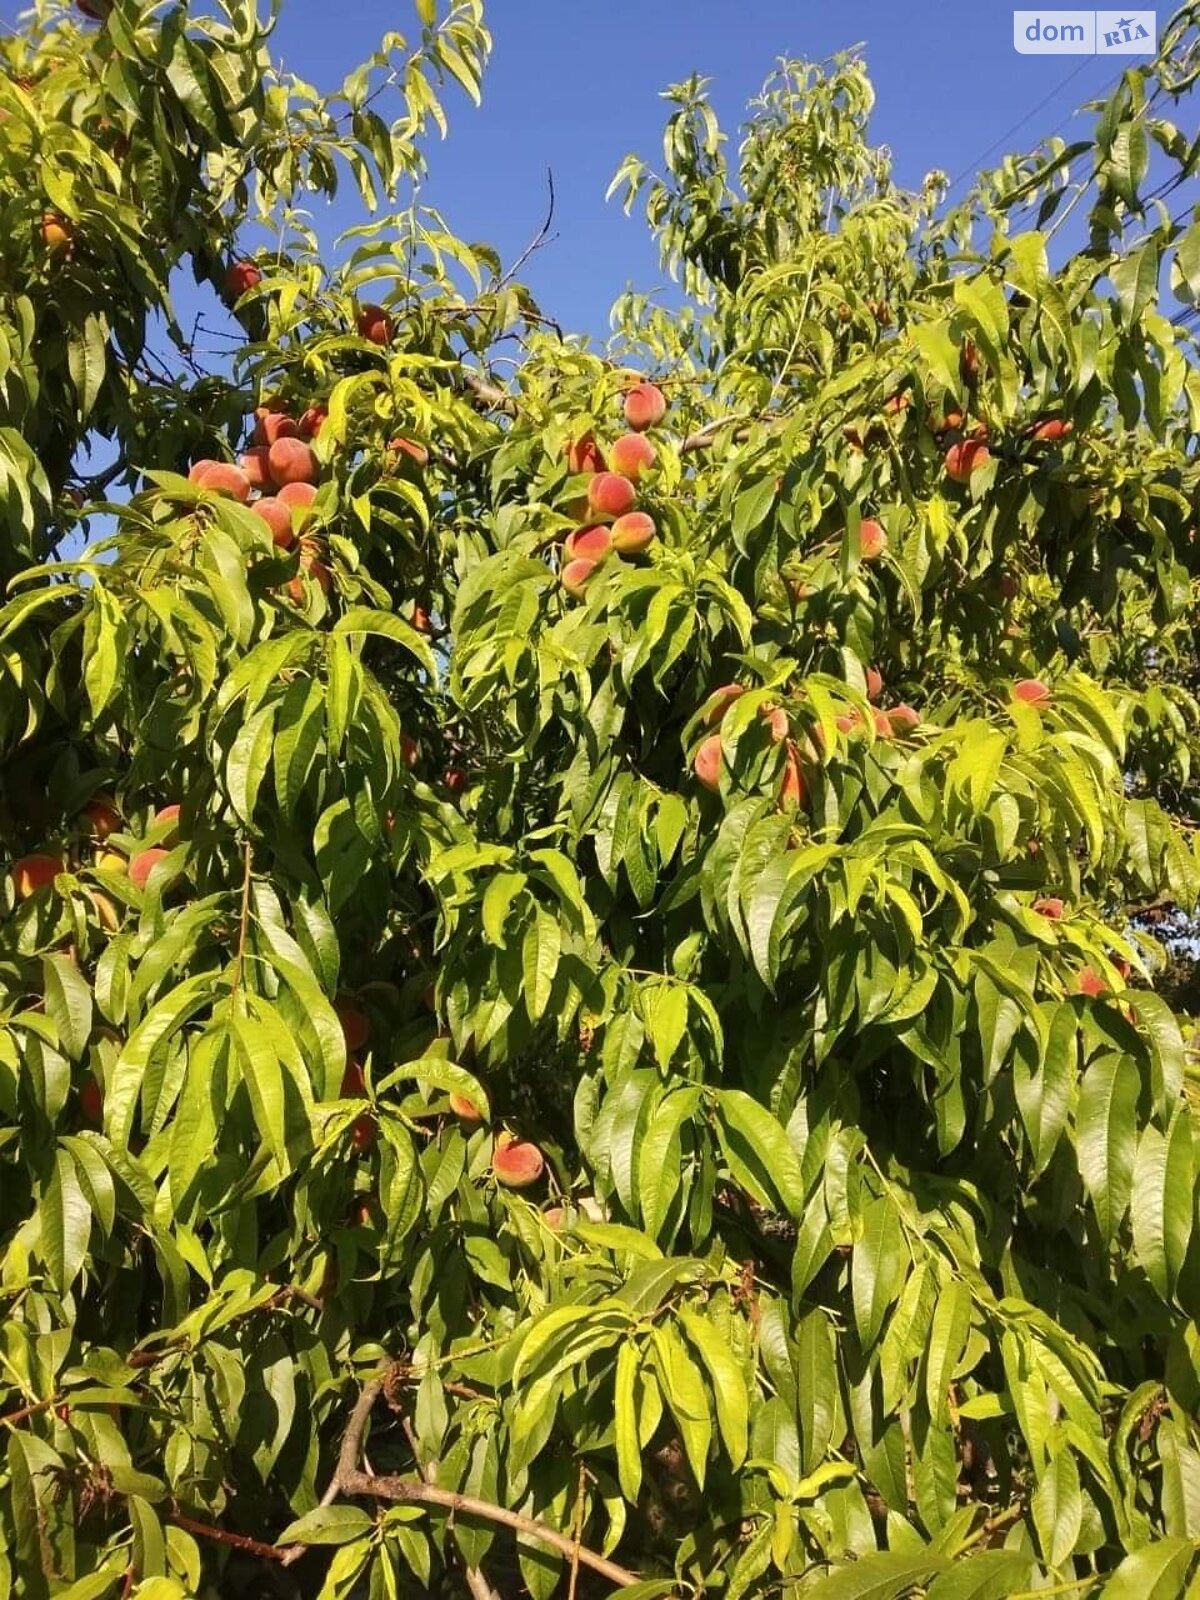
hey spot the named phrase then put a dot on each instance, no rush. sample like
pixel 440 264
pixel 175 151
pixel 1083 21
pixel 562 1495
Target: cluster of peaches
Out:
pixel 793 790
pixel 277 478
pixel 612 523
pixel 100 818
pixel 516 1163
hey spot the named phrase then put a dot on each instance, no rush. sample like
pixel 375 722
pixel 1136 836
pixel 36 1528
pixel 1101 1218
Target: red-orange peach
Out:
pixel 253 463
pixel 410 750
pixel 1032 691
pixel 611 495
pixel 91 1102
pixel 1090 982
pixel 874 683
pixel 630 455
pixel 272 425
pixel 872 540
pixel 707 762
pixel 792 789
pixel 464 1108
pixel 903 718
pixel 966 457
pixel 292 461
pixel 278 517
pixel 241 277
pixel 312 421
pixel 1053 431
pixel 633 532
pixel 1050 907
pixel 356 1029
pixel 58 237
pixel 143 864
pixel 409 447
pixel 354 1084
pixel 363 1134
pixel 198 468
pixel 645 406
pixel 575 575
pixel 374 324
pixel 584 455
pixel 588 544
pixel 517 1163
pixel 722 699
pixel 102 816
pixel 224 478
pixel 34 872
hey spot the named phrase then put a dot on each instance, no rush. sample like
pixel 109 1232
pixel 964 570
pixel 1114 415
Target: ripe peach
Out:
pixel 793 791
pixel 611 495
pixel 102 816
pixel 588 544
pixel 297 496
pixel 143 864
pixel 1089 982
pixel 91 1102
pixel 1050 907
pixel 584 455
pixel 874 683
pixel 707 762
pixel 410 751
pixel 966 457
pixel 968 363
pixel 1053 430
pixel 253 463
pixel 278 517
pixel 313 567
pixel 58 236
pixel 455 780
pixel 197 470
pixel 722 699
pixel 169 815
pixel 1032 691
pixel 630 455
pixel 883 725
pixel 374 324
pixel 464 1108
pixel 410 447
pixel 312 421
pixel 633 532
pixel 516 1163
pixel 1010 586
pixel 362 1212
pixel 94 10
pixel 420 619
pixel 354 1085
pixel 848 722
pixel 776 719
pixel 270 426
pixel 224 478
pixel 555 1219
pixel 292 461
pixel 903 717
pixel 363 1134
pixel 872 540
pixel 575 575
pixel 241 277
pixel 356 1029
pixel 34 872
pixel 645 406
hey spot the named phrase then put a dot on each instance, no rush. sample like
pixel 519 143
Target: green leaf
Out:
pixel 68 1003
pixel 984 1575
pixel 1157 1572
pixel 881 1576
pixel 629 1450
pixel 1107 1137
pixel 1163 1201
pixel 878 1268
pixel 540 954
pixel 728 1383
pixel 758 1152
pixel 1058 1508
pixel 386 625
pixel 335 1524
pixel 65 1220
pixel 948 1335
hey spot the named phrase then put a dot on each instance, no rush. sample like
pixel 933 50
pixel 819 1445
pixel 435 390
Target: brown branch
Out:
pixel 348 1478
pixel 13 1418
pixel 236 1541
pixel 480 1588
pixel 577 1532
pixel 492 396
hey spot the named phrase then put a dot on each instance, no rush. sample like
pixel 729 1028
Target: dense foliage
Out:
pixel 528 1068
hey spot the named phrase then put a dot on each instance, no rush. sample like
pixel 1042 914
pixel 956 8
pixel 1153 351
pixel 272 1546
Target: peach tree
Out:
pixel 576 1003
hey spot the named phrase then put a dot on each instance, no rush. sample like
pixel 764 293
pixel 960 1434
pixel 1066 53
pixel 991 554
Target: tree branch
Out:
pixel 236 1541
pixel 348 1478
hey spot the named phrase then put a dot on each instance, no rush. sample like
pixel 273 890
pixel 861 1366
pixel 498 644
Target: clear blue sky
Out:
pixel 574 86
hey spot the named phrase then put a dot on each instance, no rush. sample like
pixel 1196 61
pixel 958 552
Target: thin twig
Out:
pixel 236 1541
pixel 14 1417
pixel 577 1532
pixel 539 239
